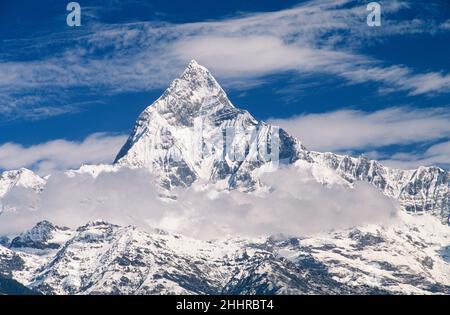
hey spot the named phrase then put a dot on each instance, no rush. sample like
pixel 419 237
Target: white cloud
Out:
pixel 314 37
pixel 429 83
pixel 446 25
pixel 348 130
pixel 299 205
pixel 61 154
pixel 438 154
pixel 242 56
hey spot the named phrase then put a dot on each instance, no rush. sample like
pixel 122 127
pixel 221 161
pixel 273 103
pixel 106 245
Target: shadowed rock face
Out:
pixel 10 262
pixel 41 236
pixel 10 286
pixel 167 128
pixel 423 190
pixel 166 141
pixel 102 258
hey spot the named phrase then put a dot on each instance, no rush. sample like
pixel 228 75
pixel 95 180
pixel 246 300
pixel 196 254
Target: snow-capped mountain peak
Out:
pixel 43 236
pixel 182 137
pixel 196 93
pixel 20 178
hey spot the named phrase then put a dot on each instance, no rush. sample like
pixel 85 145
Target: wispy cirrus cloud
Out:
pixel 346 130
pixel 438 154
pixel 61 154
pixel 446 24
pixel 360 131
pixel 316 37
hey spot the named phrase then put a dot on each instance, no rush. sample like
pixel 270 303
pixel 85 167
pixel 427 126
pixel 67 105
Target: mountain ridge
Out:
pixel 408 257
pixel 424 189
pixel 178 139
pixel 104 258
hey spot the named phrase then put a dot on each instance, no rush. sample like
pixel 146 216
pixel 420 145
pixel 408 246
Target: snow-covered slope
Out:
pixel 425 189
pixel 20 178
pixel 24 182
pixel 20 187
pixel 167 137
pixel 178 138
pixel 408 256
pixel 43 236
pixel 102 258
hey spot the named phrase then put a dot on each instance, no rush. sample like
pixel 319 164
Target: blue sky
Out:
pixel 314 67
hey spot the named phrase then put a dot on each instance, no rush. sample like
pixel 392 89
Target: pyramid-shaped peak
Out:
pixel 196 91
pixel 195 94
pixel 198 73
pixel 194 64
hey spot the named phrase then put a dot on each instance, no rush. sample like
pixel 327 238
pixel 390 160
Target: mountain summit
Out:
pixel 196 93
pixel 181 138
pixel 194 133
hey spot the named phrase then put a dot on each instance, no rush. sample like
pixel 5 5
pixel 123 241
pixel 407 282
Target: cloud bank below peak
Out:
pixel 60 154
pixel 299 205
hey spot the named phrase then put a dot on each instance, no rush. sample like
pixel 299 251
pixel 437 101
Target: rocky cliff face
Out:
pixel 425 189
pixel 192 133
pixel 102 258
pixel 182 138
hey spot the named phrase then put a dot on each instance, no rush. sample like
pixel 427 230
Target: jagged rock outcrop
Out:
pixel 179 139
pixel 103 258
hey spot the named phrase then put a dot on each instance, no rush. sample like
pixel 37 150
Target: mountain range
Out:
pixel 410 256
